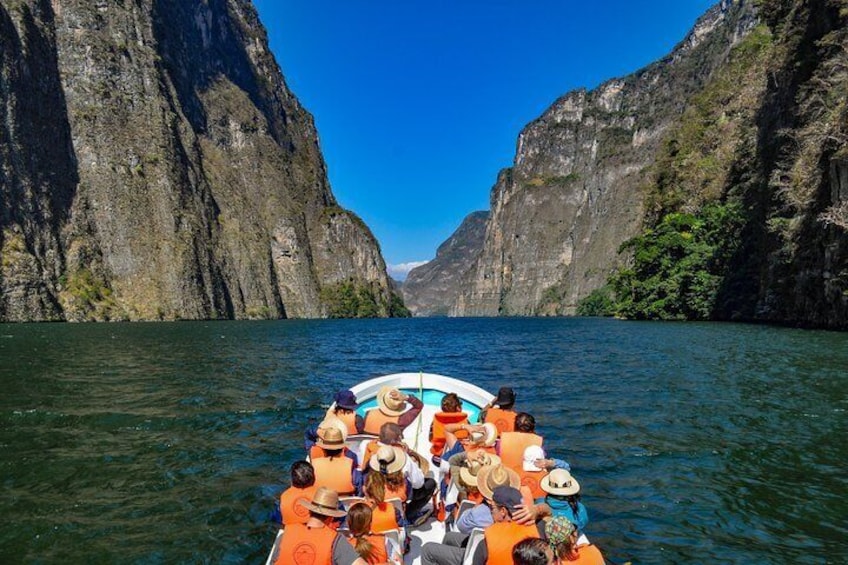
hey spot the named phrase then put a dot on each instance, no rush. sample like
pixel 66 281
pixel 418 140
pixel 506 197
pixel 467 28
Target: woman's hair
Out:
pixel 359 524
pixel 524 422
pixel 451 403
pixel 573 501
pixel 530 551
pixel 395 480
pixel 375 486
pixel 302 474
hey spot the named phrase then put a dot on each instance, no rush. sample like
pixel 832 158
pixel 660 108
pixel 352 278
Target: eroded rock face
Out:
pixel 574 193
pixel 154 165
pixel 432 289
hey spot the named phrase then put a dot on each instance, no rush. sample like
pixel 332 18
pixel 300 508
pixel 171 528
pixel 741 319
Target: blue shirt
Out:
pixel 478 517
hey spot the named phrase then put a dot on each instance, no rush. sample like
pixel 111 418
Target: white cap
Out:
pixel 531 454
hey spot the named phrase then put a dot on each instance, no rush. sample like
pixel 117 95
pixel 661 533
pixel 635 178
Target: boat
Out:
pixel 430 388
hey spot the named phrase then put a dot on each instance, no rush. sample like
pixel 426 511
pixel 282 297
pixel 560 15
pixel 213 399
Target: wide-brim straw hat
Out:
pixel 392 457
pixel 491 434
pixel 330 438
pixel 491 477
pixel 559 482
pixel 325 502
pixel 387 405
pixel 333 422
pixel 469 474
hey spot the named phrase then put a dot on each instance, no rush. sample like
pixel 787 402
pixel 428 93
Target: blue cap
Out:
pixel 345 399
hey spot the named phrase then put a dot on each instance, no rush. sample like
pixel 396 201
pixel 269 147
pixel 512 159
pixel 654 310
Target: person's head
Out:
pixel 532 551
pixel 302 474
pixel 505 398
pixel 491 477
pixel 524 422
pixel 532 455
pixel 451 403
pixel 375 487
pixel 561 534
pixel 359 523
pixel 332 440
pixel 345 402
pixel 390 433
pixel 561 490
pixel 505 502
pixel 324 505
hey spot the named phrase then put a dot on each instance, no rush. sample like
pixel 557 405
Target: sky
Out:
pixel 418 104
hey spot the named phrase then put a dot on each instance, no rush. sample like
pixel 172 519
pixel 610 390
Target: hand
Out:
pixel 525 515
pixel 544 463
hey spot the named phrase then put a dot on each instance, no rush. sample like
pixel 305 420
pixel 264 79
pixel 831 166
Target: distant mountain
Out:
pixel 431 289
pixel 708 185
pixel 154 165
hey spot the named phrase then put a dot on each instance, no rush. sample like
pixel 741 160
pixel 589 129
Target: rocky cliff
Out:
pixel 432 289
pixel 576 190
pixel 154 165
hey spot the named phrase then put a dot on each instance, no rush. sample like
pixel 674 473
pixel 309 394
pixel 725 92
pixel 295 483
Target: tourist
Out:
pixel 488 479
pixel 369 545
pixel 562 535
pixel 302 489
pixel 385 515
pixel 316 542
pixel 532 551
pixel 344 409
pixel 391 407
pixel 316 452
pixel 533 470
pixel 451 419
pixel 392 461
pixel 513 444
pixel 335 471
pixel 563 497
pixel 500 411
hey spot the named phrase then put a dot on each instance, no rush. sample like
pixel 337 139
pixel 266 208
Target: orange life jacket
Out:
pixel 513 445
pixel 316 452
pixel 532 480
pixel 437 436
pixel 378 551
pixel 491 449
pixel 502 536
pixel 370 449
pixel 349 421
pixel 334 473
pixel 383 517
pixel 294 513
pixel 306 545
pixel 504 420
pixel 374 420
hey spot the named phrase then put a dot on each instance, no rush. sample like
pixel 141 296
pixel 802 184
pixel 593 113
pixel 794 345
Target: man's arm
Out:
pixel 478 517
pixel 409 416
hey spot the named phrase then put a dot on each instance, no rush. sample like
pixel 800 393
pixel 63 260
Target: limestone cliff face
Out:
pixel 154 165
pixel 575 191
pixel 432 289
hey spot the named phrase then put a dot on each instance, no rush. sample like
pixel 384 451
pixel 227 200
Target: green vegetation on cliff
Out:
pixel 352 299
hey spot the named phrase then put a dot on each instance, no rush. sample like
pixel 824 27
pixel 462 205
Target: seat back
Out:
pixel 474 540
pixel 348 501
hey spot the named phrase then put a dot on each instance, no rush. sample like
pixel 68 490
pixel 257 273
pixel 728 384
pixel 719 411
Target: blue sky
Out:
pixel 419 104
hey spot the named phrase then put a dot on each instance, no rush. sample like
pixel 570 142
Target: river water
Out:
pixel 167 443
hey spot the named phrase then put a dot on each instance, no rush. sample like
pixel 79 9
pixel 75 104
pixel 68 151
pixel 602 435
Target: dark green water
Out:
pixel 164 443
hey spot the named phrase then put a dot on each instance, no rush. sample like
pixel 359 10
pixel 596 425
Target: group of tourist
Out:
pixel 491 476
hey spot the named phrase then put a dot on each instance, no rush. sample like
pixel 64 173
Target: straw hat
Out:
pixel 488 437
pixel 388 405
pixel 392 458
pixel 469 473
pixel 332 422
pixel 331 439
pixel 491 477
pixel 325 502
pixel 559 482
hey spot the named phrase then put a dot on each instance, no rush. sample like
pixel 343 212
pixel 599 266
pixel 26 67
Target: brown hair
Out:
pixel 375 487
pixel 359 524
pixel 524 422
pixel 451 403
pixel 302 474
pixel 395 480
